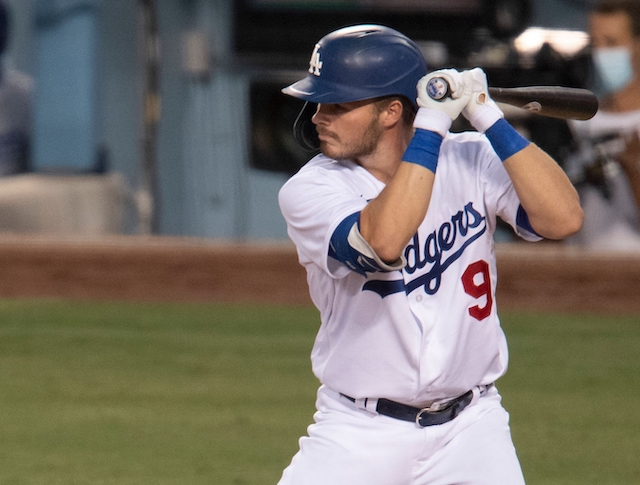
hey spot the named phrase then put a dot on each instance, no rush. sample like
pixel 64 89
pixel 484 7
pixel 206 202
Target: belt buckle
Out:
pixel 435 408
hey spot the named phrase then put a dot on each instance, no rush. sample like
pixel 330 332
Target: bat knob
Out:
pixel 533 106
pixel 438 88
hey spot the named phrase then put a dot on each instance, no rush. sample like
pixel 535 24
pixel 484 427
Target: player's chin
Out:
pixel 329 149
pixel 326 139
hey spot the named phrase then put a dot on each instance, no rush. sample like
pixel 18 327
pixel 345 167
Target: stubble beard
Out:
pixel 362 147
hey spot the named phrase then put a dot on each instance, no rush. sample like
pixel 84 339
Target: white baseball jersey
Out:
pixel 430 330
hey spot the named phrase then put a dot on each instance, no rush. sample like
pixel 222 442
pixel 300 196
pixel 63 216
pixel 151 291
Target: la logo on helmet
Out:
pixel 315 64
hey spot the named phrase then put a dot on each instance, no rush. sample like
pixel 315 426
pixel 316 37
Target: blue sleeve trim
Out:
pixel 424 149
pixel 522 220
pixel 341 250
pixel 505 139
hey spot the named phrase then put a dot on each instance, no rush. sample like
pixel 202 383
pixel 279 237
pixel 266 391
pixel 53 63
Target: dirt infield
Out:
pixel 540 277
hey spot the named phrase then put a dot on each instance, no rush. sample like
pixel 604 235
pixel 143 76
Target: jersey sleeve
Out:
pixel 314 203
pixel 501 194
pixel 351 249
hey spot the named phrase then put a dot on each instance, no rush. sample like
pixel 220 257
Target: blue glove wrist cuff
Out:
pixel 424 149
pixel 505 139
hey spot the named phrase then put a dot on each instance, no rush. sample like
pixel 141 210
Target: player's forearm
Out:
pixel 545 192
pixel 390 220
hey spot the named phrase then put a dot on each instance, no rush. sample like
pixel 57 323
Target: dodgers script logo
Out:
pixel 442 248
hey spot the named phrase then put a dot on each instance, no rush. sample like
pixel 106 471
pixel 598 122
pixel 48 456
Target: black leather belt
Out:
pixel 430 416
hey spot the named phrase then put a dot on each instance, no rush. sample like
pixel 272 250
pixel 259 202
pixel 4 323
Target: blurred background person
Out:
pixel 606 165
pixel 16 92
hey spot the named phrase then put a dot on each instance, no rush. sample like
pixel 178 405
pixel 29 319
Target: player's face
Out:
pixel 348 130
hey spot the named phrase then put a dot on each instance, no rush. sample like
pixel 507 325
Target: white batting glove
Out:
pixel 438 114
pixel 481 111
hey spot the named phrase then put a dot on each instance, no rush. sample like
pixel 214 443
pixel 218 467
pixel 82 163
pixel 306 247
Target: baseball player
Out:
pixel 393 222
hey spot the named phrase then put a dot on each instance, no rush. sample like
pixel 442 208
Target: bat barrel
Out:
pixel 553 101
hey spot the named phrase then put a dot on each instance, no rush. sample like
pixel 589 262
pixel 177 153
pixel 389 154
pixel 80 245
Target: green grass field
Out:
pixel 124 393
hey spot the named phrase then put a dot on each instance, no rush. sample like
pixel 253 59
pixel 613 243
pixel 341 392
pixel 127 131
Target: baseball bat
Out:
pixel 552 101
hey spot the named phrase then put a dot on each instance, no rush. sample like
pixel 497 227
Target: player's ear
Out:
pixel 393 112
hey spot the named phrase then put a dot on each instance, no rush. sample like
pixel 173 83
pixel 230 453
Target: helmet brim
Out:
pixel 314 89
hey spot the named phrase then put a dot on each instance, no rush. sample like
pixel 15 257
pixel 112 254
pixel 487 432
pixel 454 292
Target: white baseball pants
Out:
pixel 350 446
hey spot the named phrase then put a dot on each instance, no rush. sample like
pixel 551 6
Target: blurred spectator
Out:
pixel 15 108
pixel 606 166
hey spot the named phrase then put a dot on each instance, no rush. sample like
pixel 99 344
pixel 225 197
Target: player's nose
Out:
pixel 321 116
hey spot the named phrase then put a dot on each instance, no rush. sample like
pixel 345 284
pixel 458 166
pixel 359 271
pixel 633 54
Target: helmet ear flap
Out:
pixel 304 131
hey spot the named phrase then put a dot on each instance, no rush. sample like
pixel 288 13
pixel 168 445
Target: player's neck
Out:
pixel 386 158
pixel 383 170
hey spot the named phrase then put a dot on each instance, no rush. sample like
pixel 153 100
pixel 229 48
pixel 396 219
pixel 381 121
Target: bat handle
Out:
pixel 438 88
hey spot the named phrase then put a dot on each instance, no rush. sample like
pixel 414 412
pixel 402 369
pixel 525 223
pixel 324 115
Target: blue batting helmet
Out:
pixel 361 62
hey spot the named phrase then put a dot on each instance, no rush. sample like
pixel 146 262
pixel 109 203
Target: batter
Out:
pixel 394 224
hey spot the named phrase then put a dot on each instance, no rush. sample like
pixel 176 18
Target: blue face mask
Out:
pixel 613 65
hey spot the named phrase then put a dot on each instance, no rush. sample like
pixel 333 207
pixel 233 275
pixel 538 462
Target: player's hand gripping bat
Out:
pixel 552 101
